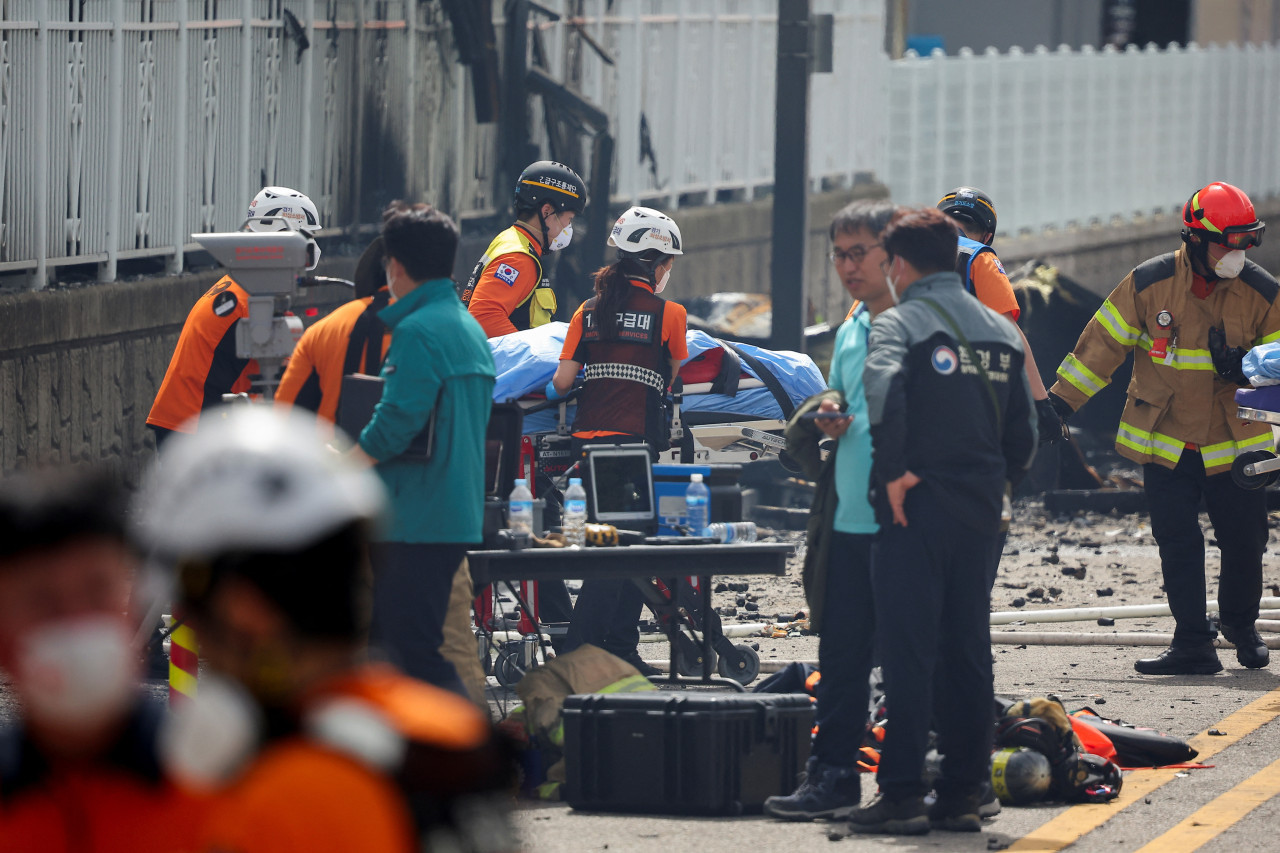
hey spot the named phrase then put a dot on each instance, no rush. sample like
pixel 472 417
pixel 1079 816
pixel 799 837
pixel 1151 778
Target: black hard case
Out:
pixel 672 752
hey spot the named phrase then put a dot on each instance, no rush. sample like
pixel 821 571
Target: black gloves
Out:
pixel 1227 360
pixel 1051 418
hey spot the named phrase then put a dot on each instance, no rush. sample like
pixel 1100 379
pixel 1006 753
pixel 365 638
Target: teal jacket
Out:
pixel 439 356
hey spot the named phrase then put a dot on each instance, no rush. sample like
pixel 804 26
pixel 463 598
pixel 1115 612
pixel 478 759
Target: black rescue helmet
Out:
pixel 548 182
pixel 974 205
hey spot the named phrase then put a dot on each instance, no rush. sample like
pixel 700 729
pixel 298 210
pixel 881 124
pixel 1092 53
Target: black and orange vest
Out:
pixel 627 375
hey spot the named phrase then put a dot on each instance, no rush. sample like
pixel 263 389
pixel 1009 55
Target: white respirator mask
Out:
pixel 662 282
pixel 1229 265
pixel 562 239
pixel 77 674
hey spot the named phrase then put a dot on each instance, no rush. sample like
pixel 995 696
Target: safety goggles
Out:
pixel 1240 236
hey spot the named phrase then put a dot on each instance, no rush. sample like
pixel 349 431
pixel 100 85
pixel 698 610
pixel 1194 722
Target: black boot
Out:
pixel 827 793
pixel 1251 651
pixel 957 811
pixel 1200 659
pixel 886 815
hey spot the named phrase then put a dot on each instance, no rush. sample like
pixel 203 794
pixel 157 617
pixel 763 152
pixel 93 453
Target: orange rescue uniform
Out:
pixel 116 804
pixel 204 364
pixel 506 283
pixel 305 793
pixel 332 348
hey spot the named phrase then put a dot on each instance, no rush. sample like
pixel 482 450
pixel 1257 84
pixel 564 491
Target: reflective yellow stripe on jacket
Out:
pixel 1073 370
pixel 1167 447
pixel 1179 358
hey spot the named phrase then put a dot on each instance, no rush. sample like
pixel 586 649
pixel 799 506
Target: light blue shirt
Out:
pixel 853 460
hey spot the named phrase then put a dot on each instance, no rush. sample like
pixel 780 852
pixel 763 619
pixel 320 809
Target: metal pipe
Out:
pixel 115 141
pixel 43 98
pixel 1088 614
pixel 180 225
pixel 1122 638
pixel 246 179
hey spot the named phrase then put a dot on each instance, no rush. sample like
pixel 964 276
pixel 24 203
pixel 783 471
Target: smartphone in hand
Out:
pixel 824 416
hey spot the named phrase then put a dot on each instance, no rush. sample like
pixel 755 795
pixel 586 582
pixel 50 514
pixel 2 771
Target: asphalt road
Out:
pixel 1152 803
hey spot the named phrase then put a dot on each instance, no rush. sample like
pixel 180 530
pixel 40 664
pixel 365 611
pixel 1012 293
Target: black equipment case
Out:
pixel 670 752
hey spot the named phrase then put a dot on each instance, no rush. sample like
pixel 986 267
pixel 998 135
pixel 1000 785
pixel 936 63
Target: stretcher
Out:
pixel 729 405
pixel 1257 468
pixel 731 399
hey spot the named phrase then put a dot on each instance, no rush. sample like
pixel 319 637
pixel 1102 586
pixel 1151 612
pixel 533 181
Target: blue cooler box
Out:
pixel 671 481
pixel 669 485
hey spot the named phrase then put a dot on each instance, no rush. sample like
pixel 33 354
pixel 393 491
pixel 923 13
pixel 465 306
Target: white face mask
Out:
pixel 390 287
pixel 1230 264
pixel 892 285
pixel 662 282
pixel 562 239
pixel 77 674
pixel 207 740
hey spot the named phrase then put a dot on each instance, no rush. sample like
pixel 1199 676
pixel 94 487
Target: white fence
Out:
pixel 127 125
pixel 1061 139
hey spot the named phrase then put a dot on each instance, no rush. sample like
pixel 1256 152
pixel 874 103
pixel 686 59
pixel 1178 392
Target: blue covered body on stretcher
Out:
pixel 525 362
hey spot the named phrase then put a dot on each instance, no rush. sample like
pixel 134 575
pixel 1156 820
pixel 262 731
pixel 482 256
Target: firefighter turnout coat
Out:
pixel 1176 399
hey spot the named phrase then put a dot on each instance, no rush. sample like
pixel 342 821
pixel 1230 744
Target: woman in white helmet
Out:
pixel 631 343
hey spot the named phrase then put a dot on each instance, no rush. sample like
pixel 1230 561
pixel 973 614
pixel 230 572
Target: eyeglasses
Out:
pixel 855 255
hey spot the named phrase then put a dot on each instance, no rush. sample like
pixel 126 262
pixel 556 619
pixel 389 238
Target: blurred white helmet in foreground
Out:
pixel 253 478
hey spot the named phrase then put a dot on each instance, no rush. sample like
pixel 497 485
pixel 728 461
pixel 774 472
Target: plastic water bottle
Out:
pixel 732 531
pixel 520 508
pixel 575 513
pixel 697 502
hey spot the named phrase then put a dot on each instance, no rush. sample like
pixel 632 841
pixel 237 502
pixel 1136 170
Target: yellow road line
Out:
pixel 1216 817
pixel 1077 821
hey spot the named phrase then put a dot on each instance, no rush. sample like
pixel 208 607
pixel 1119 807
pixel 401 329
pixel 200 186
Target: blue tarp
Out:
pixel 1262 365
pixel 525 361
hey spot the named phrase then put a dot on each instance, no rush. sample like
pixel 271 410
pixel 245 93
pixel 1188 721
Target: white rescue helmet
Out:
pixel 253 478
pixel 641 229
pixel 286 207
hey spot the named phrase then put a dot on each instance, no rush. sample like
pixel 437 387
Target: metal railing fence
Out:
pixel 690 92
pixel 127 125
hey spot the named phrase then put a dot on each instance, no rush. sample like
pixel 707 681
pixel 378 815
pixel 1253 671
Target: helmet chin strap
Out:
pixel 1199 252
pixel 542 222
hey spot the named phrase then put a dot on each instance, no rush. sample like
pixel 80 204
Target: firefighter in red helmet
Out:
pixel 1190 316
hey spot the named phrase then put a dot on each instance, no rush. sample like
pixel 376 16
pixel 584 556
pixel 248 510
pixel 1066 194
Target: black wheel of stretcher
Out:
pixel 689 657
pixel 745 669
pixel 1253 481
pixel 507 666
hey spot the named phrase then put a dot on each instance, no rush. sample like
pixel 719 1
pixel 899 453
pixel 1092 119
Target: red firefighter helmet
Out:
pixel 1221 213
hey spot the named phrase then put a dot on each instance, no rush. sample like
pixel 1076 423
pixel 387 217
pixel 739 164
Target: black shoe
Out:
pixel 827 793
pixel 1251 651
pixel 957 812
pixel 641 667
pixel 1182 660
pixel 906 816
pixel 988 802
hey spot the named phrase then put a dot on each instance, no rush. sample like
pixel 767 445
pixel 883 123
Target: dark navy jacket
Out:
pixel 930 410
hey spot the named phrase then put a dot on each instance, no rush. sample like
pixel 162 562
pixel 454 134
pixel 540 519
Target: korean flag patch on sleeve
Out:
pixel 507 273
